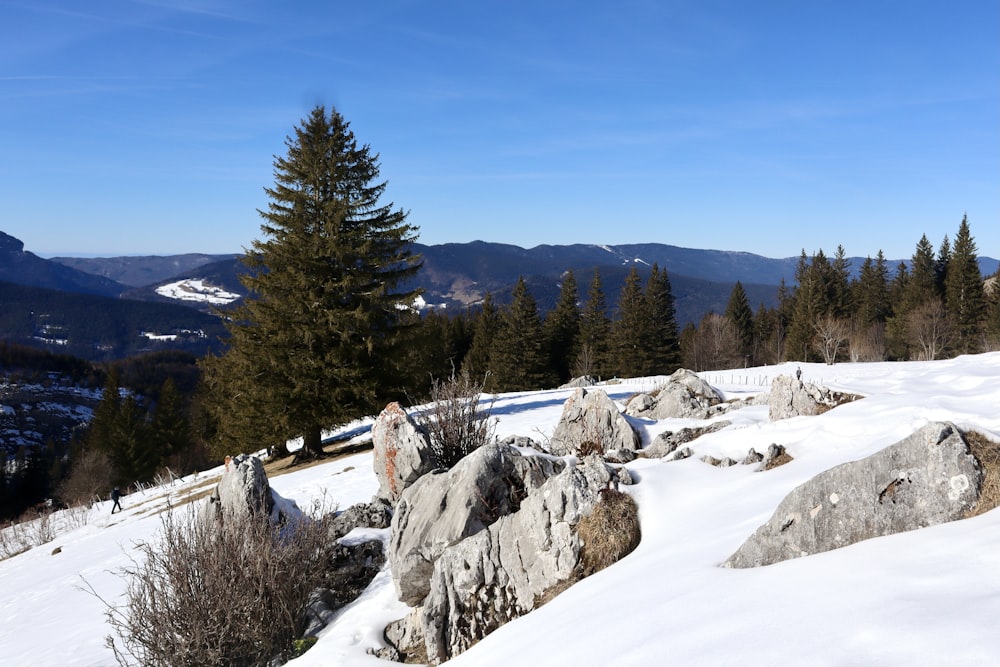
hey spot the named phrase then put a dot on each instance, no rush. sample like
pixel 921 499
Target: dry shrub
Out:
pixel 987 452
pixel 455 421
pixel 210 592
pixel 610 532
pixel 90 477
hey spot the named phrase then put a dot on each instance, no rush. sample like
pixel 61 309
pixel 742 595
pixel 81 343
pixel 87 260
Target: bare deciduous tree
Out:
pixel 930 328
pixel 831 333
pixel 867 342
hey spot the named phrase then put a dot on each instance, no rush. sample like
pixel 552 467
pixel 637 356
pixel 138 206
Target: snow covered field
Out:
pixel 928 597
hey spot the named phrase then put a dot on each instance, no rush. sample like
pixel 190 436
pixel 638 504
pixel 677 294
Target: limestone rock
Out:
pixel 668 441
pixel 242 491
pixel 402 452
pixel 591 422
pixel 376 514
pixel 685 395
pixel 500 573
pixel 352 568
pixel 582 381
pixel 930 477
pixel 791 398
pixel 447 506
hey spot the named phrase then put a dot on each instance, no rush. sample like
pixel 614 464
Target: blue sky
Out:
pixel 150 126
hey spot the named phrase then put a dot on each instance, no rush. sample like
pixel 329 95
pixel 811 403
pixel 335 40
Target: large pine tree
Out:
pixel 964 298
pixel 630 329
pixel 664 346
pixel 741 316
pixel 561 329
pixel 518 357
pixel 595 328
pixel 319 328
pixel 477 362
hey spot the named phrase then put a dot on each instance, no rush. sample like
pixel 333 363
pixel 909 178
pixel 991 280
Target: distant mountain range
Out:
pixel 454 276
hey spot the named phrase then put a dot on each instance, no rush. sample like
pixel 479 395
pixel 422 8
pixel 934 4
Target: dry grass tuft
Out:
pixel 987 452
pixel 779 460
pixel 610 532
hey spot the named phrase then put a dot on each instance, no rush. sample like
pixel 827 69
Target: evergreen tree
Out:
pixel 871 292
pixel 923 285
pixel 629 331
pixel 839 288
pixel 664 347
pixel 105 414
pixel 477 363
pixel 595 328
pixel 518 360
pixel 170 425
pixel 964 298
pixel 941 265
pixel 561 329
pixel 321 326
pixel 741 317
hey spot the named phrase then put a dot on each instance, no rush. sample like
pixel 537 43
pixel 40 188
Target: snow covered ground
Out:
pixel 195 289
pixel 928 597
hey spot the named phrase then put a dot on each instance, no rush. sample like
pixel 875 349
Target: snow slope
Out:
pixel 928 597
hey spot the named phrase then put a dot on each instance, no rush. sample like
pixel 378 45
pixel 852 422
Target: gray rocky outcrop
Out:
pixel 353 565
pixel 591 422
pixel 685 395
pixel 502 572
pixel 582 381
pixel 790 397
pixel 402 452
pixel 447 506
pixel 929 478
pixel 668 441
pixel 376 514
pixel 242 491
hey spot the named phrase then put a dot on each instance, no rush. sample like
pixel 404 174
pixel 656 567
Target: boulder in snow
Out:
pixel 931 477
pixel 790 397
pixel 402 452
pixel 446 506
pixel 592 423
pixel 685 395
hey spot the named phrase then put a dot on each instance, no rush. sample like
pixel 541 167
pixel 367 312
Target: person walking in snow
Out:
pixel 116 494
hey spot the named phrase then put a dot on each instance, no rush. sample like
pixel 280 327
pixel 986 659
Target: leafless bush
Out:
pixel 456 421
pixel 610 532
pixel 210 592
pixel 33 528
pixel 90 477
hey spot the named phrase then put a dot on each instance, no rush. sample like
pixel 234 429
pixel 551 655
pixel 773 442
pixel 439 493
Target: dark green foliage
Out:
pixel 741 317
pixel 964 298
pixel 518 360
pixel 316 341
pixel 663 347
pixel 595 329
pixel 561 330
pixel 485 324
pixel 630 331
pixel 871 292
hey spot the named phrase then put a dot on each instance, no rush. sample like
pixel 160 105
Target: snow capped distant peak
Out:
pixel 195 289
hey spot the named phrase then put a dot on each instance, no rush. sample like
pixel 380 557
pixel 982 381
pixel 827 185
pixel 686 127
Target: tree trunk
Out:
pixel 312 442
